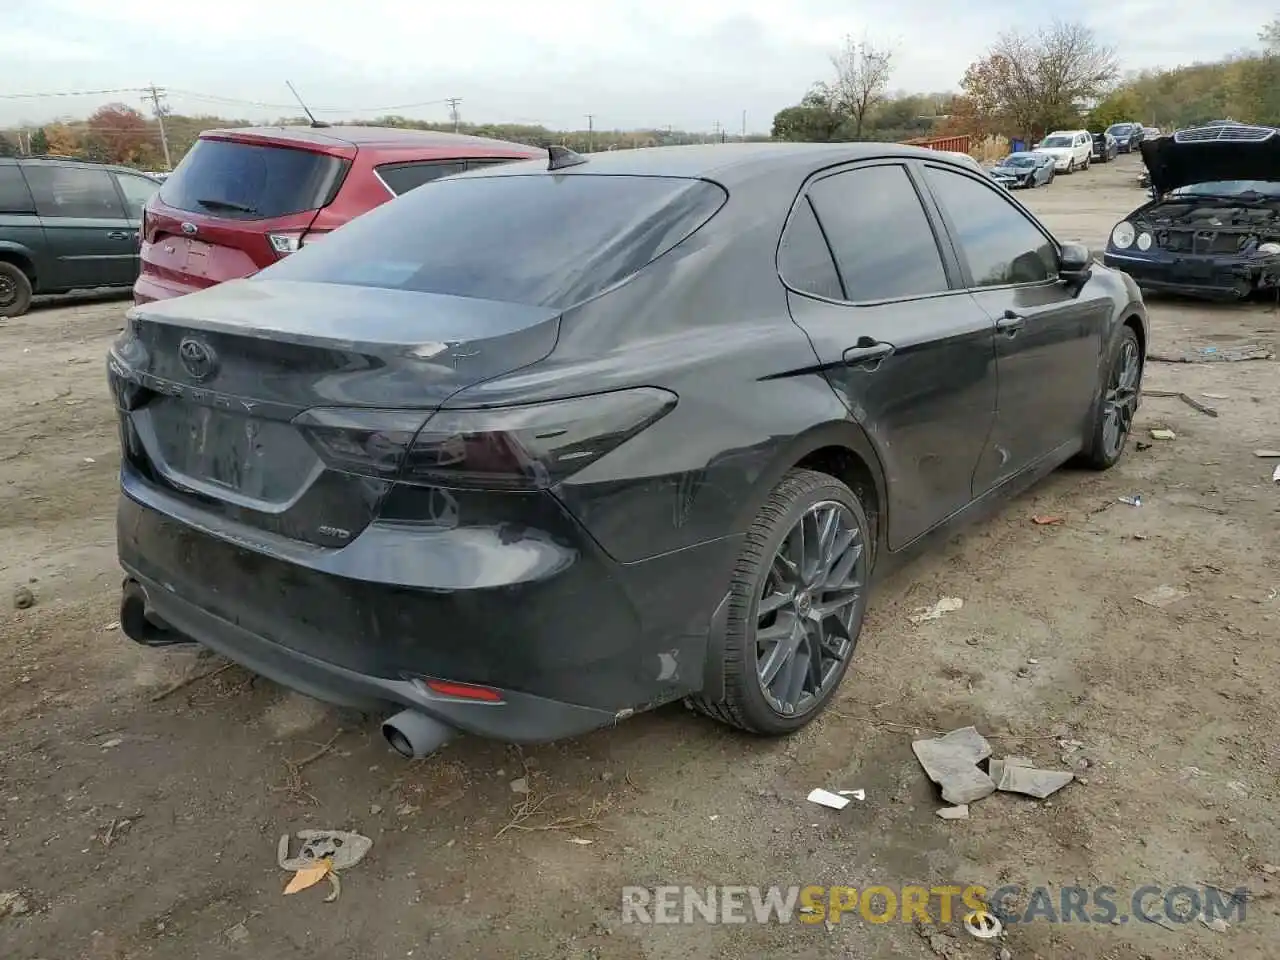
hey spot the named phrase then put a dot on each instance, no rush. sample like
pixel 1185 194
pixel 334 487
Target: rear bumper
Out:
pixel 571 639
pixel 147 289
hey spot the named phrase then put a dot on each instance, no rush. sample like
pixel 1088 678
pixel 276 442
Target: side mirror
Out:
pixel 1075 263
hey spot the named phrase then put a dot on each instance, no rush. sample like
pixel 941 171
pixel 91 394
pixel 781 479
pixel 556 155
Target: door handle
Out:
pixel 1011 323
pixel 118 235
pixel 867 353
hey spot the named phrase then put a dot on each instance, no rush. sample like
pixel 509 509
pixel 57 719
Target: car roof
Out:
pixel 725 163
pixel 356 136
pixel 77 161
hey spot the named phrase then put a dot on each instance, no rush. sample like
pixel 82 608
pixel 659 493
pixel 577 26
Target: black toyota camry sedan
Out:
pixel 528 450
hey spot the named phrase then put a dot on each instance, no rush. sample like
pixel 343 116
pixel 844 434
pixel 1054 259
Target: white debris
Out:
pixel 828 799
pixel 935 612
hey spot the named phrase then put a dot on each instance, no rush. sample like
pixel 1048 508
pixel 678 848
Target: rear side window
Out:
pixel 403 177
pixel 14 196
pixel 879 233
pixel 536 239
pixel 804 259
pixel 249 181
pixel 79 192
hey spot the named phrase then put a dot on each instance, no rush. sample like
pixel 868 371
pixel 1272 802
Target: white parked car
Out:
pixel 1071 149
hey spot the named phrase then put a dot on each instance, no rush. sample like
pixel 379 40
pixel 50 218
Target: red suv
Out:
pixel 242 199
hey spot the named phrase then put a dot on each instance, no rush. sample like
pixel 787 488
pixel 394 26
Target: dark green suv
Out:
pixel 67 225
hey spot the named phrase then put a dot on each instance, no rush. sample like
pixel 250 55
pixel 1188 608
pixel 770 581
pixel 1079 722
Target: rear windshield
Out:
pixel 246 181
pixel 534 239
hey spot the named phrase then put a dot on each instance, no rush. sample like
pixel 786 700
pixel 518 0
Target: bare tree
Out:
pixel 863 70
pixel 1028 82
pixel 1270 35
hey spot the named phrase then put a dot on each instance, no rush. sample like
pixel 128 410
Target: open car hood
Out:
pixel 1219 152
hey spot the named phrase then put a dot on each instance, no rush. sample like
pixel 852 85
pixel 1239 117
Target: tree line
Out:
pixel 1030 82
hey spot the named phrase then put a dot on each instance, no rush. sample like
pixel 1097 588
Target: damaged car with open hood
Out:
pixel 1213 227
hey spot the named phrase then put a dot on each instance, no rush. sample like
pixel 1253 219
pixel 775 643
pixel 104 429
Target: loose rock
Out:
pixel 23 598
pixel 959 812
pixel 13 904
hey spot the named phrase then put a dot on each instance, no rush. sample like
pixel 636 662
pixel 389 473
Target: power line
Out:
pixel 70 93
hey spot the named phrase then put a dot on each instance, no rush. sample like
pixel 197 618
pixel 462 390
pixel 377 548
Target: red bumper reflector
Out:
pixel 463 691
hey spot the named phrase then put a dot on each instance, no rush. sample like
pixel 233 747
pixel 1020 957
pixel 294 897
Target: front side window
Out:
pixel 1000 244
pixel 74 192
pixel 878 231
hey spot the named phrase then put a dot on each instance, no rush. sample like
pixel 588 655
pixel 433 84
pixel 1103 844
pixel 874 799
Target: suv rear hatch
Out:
pixel 234 206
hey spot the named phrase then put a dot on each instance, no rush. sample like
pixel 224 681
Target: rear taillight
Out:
pixel 294 240
pixel 528 447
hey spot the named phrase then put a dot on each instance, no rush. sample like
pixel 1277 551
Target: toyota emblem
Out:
pixel 189 228
pixel 198 359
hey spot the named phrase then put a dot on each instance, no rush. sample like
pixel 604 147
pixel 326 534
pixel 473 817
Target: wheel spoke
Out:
pixel 797 673
pixel 782 655
pixel 833 601
pixel 771 603
pixel 844 565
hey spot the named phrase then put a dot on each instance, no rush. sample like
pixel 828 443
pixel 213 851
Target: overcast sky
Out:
pixel 631 63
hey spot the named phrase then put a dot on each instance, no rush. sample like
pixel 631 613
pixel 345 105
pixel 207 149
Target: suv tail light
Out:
pixel 527 447
pixel 293 241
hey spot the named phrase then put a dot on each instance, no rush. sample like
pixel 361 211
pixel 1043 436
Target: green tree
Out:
pixel 1122 106
pixel 39 142
pixel 813 120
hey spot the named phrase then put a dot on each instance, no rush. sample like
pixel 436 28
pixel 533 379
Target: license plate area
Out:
pixel 260 463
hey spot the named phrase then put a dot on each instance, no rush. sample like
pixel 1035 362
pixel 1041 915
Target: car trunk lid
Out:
pixel 288 406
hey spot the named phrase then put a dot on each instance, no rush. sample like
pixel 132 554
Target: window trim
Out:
pixel 953 232
pixel 951 267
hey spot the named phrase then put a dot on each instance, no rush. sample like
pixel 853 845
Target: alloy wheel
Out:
pixel 1121 400
pixel 806 608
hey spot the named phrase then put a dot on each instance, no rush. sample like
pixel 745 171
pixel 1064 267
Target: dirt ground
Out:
pixel 139 826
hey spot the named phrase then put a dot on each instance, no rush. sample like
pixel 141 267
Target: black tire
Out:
pixel 1071 165
pixel 1102 454
pixel 744 705
pixel 15 290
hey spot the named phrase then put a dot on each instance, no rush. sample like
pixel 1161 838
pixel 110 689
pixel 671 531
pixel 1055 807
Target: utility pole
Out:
pixel 591 132
pixel 156 98
pixel 744 126
pixel 453 111
pixel 715 132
